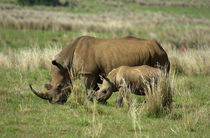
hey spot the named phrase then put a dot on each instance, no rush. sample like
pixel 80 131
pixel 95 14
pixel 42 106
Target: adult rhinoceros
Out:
pixel 89 57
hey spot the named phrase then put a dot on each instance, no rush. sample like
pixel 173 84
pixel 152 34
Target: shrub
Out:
pixel 39 2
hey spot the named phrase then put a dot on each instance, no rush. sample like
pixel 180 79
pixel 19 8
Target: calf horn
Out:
pixel 40 95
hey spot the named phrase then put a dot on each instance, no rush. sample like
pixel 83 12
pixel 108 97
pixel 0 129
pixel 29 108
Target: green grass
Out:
pixel 25 115
pixel 8 1
pixel 96 6
pixel 179 11
pixel 18 39
pixel 28 38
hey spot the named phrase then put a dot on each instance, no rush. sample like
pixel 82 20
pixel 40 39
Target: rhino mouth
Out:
pixel 40 95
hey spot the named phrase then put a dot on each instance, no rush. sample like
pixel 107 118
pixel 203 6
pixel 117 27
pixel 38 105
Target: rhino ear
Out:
pixel 54 62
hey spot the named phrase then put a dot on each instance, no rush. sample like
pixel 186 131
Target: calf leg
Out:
pixel 119 98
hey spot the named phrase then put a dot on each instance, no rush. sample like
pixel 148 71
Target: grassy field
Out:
pixel 25 115
pixel 30 37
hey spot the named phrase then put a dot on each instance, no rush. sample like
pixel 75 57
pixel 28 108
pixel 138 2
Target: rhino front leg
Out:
pixel 119 98
pixel 91 86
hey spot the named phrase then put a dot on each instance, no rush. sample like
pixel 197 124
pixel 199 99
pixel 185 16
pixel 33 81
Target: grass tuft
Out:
pixel 78 93
pixel 158 96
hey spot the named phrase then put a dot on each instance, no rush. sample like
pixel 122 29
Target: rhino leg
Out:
pixel 91 86
pixel 119 98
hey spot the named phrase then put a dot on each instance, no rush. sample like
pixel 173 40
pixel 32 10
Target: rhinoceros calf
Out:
pixel 88 57
pixel 135 78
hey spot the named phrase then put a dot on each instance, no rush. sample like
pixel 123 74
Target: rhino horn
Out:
pixel 40 95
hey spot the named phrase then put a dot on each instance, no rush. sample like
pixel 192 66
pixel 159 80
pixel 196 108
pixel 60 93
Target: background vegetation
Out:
pixel 31 36
pixel 39 2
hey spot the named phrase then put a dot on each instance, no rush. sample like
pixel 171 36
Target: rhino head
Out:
pixel 59 89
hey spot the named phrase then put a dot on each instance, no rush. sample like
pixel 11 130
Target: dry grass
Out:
pixel 188 62
pixel 31 59
pixel 78 93
pixel 191 61
pixel 193 37
pixel 134 113
pixel 178 30
pixel 104 22
pixel 158 96
pixel 29 19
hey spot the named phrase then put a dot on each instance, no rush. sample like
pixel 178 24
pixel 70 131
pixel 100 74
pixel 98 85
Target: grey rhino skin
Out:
pixel 88 57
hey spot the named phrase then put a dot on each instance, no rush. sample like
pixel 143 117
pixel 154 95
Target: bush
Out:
pixel 39 2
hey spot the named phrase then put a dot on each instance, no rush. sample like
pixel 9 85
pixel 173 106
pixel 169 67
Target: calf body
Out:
pixel 134 78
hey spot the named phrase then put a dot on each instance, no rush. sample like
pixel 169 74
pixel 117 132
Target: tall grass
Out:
pixel 196 37
pixel 176 30
pixel 158 96
pixel 134 112
pixel 78 93
pixel 32 58
pixel 188 62
pixel 191 61
pixel 29 19
pixel 101 22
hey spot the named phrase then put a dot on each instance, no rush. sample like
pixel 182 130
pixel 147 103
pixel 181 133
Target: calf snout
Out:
pixel 100 99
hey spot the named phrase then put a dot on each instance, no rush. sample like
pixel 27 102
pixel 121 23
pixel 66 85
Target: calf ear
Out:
pixel 107 79
pixel 48 86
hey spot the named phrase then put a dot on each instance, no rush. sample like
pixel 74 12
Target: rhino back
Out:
pixel 97 56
